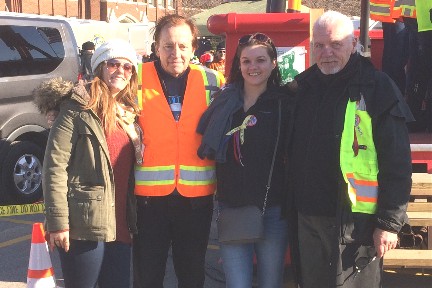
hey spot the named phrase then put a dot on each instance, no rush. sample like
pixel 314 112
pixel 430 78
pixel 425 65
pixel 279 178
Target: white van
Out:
pixel 33 49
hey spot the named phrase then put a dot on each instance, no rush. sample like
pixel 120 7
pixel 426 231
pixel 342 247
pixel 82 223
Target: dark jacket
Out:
pixel 244 182
pixel 85 69
pixel 315 183
pixel 78 180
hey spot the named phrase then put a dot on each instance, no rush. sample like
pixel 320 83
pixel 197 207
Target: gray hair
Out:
pixel 334 18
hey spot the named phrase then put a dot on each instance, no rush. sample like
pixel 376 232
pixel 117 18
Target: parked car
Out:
pixel 33 49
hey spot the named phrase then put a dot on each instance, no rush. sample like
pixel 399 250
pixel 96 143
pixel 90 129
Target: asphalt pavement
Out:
pixel 15 243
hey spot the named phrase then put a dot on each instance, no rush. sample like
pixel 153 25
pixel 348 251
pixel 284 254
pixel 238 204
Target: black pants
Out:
pixel 419 73
pixel 326 264
pixel 176 221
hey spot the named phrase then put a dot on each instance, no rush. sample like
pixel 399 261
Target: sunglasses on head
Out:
pixel 259 37
pixel 114 65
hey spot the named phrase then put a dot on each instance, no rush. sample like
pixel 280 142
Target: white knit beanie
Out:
pixel 115 48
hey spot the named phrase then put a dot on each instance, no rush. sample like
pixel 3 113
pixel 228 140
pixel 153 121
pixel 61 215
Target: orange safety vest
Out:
pixel 382 10
pixel 405 8
pixel 170 148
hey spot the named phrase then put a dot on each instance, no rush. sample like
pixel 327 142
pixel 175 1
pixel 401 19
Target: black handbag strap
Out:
pixel 274 157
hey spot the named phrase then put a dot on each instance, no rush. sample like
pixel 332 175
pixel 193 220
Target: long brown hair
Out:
pixel 104 105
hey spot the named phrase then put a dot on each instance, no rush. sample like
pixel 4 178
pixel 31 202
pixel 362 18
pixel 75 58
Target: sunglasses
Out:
pixel 259 37
pixel 115 65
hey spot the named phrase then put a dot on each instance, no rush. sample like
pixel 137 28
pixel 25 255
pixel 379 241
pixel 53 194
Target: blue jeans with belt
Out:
pixel 237 259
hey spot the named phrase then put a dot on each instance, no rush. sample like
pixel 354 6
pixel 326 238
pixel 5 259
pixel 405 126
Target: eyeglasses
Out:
pixel 221 51
pixel 113 65
pixel 259 37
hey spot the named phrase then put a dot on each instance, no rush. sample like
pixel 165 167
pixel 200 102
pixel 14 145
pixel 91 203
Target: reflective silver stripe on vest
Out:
pixel 203 175
pixel 405 3
pixel 407 7
pixel 364 191
pixel 143 174
pixel 381 10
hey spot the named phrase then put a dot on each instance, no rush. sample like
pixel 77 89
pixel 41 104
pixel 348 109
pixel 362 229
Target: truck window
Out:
pixel 29 50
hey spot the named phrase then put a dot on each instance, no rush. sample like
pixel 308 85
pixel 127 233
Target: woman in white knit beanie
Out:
pixel 87 173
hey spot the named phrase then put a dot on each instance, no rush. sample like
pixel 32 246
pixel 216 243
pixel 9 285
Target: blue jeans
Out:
pixel 89 263
pixel 237 259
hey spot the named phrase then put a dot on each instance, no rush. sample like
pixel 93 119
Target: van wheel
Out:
pixel 22 173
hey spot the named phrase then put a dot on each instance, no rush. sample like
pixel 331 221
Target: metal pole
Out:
pixel 276 6
pixel 364 29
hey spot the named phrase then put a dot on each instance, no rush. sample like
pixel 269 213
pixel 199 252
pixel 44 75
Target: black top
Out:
pixel 85 68
pixel 316 143
pixel 174 88
pixel 244 182
pixel 314 177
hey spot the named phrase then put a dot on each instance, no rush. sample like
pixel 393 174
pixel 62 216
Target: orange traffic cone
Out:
pixel 40 272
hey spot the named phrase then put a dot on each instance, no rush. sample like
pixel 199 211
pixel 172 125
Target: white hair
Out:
pixel 334 18
pixel 330 18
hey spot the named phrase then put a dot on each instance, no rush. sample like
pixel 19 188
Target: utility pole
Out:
pixel 364 28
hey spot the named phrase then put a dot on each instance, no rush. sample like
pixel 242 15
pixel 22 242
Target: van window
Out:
pixel 29 50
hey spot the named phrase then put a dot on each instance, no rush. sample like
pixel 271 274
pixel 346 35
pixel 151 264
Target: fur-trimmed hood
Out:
pixel 80 92
pixel 49 94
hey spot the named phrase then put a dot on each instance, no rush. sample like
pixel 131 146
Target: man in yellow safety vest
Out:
pixel 349 164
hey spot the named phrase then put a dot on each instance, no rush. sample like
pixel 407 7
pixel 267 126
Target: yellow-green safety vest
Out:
pixel 358 158
pixel 424 15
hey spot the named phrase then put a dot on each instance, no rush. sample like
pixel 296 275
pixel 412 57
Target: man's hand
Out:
pixel 384 241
